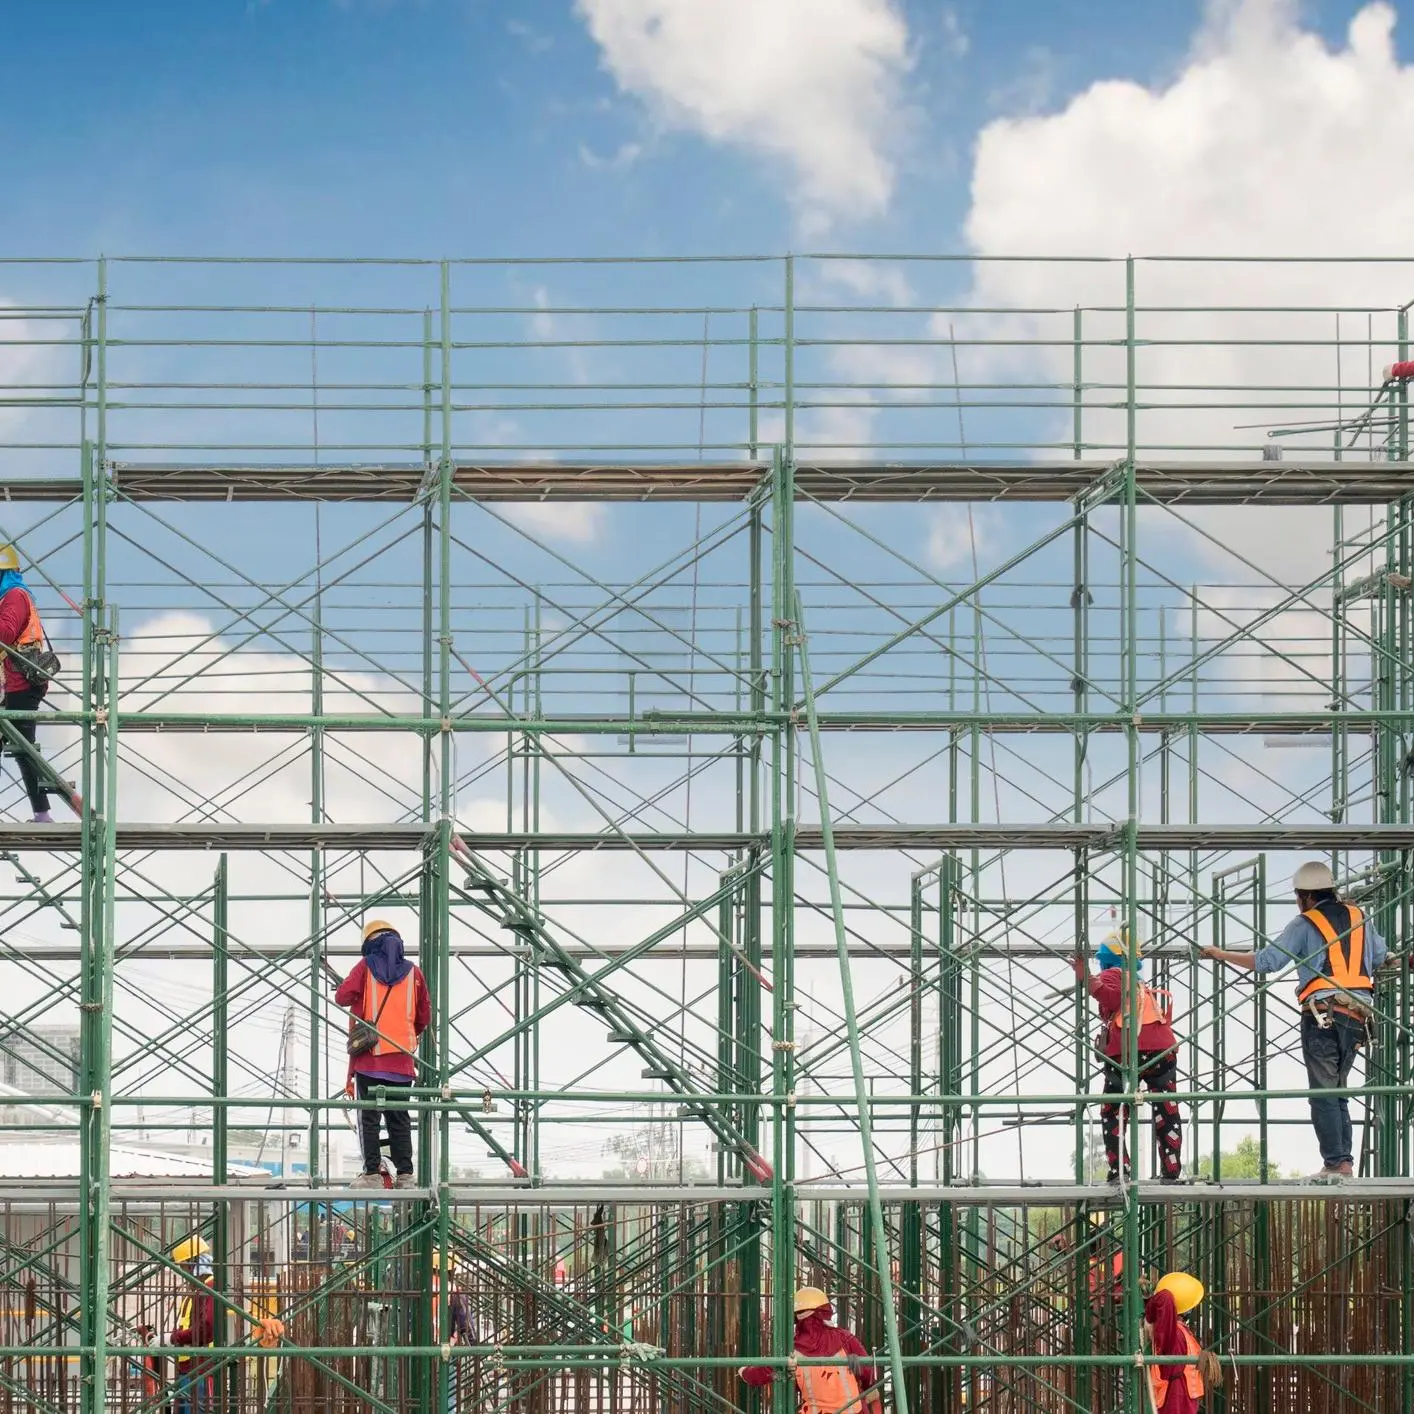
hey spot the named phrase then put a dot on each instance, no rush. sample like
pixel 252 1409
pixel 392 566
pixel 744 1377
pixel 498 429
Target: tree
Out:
pixel 1243 1162
pixel 1044 1222
pixel 1097 1166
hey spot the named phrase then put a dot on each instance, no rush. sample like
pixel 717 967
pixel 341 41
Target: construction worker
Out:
pixel 824 1389
pixel 1158 1054
pixel 1178 1388
pixel 387 996
pixel 23 645
pixel 462 1327
pixel 149 1367
pixel 1106 1269
pixel 1336 950
pixel 196 1326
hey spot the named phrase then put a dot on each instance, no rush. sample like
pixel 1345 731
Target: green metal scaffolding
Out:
pixel 749 694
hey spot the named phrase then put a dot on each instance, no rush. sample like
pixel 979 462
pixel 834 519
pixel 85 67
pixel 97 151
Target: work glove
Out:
pixel 269 1332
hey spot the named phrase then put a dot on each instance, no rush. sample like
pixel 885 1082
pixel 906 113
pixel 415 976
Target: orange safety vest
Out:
pixel 1152 1012
pixel 833 1389
pixel 1191 1377
pixel 32 634
pixel 1097 1276
pixel 396 1034
pixel 1344 968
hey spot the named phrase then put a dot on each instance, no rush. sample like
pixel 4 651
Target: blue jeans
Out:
pixel 192 1394
pixel 1329 1053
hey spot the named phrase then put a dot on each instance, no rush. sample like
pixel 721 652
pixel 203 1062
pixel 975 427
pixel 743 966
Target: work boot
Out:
pixel 368 1180
pixel 43 817
pixel 1331 1174
pixel 404 1180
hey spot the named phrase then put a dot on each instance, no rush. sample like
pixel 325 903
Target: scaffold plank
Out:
pixel 1298 482
pixel 209 835
pixel 569 1195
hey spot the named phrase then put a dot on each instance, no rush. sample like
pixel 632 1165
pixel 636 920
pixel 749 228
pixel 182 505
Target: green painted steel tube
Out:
pixel 783 821
pixel 1135 1389
pixel 220 1117
pixel 861 1084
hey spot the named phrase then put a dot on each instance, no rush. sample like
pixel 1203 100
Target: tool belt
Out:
pixel 1336 1001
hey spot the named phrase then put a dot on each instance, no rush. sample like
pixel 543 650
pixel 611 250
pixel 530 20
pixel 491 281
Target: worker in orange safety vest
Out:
pixel 387 996
pixel 824 1389
pixel 1158 1052
pixel 1177 1388
pixel 1337 951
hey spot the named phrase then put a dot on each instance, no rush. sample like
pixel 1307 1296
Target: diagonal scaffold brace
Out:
pixel 861 1084
pixel 17 746
pixel 510 910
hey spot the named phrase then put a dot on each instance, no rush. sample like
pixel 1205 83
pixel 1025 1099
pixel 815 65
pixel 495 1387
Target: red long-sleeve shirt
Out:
pixel 14 615
pixel 202 1330
pixel 813 1336
pixel 350 994
pixel 1168 1338
pixel 1107 988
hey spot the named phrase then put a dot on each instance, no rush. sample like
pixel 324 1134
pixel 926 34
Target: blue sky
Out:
pixel 463 127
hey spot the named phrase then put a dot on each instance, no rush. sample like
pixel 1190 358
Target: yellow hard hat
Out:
pixel 189 1248
pixel 376 925
pixel 810 1298
pixel 1187 1291
pixel 9 558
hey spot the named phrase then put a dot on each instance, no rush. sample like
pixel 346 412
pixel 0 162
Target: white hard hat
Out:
pixel 1313 876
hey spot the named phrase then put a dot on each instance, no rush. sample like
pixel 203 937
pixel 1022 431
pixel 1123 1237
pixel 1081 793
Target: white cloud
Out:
pixel 958 535
pixel 576 521
pixel 1269 140
pixel 955 39
pixel 533 39
pixel 866 279
pixel 625 155
pixel 1227 158
pixel 28 359
pixel 1031 88
pixel 813 82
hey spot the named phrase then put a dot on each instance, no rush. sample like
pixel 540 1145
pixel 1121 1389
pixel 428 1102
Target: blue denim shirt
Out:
pixel 1302 943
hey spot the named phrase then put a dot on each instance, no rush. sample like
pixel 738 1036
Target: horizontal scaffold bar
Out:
pixel 214 835
pixel 647 725
pixel 569 1195
pixel 1195 482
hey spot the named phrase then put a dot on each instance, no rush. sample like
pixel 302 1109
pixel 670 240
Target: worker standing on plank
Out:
pixel 27 663
pixel 824 1389
pixel 1336 950
pixel 1178 1388
pixel 1158 1054
pixel 390 1007
pixel 196 1326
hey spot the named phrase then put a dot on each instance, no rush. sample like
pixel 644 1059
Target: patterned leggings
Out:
pixel 1158 1070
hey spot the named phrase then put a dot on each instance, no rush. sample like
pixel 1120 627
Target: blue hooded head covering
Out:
pixel 1108 957
pixel 383 953
pixel 1111 952
pixel 12 579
